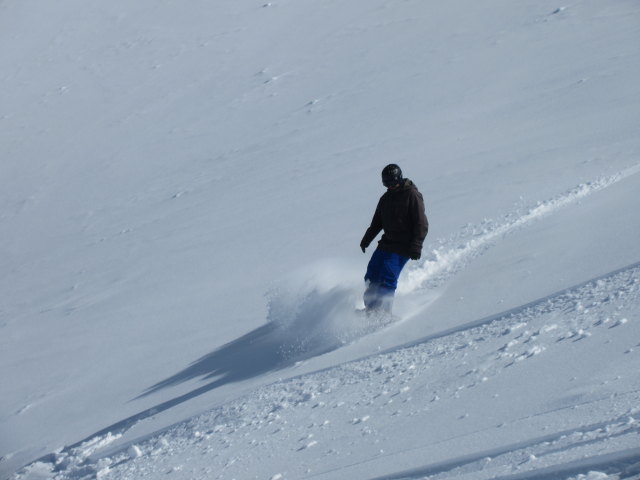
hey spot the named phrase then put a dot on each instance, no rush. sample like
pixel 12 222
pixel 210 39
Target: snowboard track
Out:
pixel 445 261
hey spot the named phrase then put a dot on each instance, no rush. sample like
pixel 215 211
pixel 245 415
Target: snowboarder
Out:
pixel 400 213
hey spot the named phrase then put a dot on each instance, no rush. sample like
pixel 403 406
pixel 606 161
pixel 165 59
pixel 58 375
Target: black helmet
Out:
pixel 391 175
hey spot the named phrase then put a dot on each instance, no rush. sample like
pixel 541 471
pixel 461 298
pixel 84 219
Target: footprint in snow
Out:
pixel 622 321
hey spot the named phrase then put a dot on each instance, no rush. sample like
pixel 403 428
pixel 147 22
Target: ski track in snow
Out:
pixel 292 410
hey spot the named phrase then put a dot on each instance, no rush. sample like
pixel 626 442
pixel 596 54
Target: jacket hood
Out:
pixel 406 185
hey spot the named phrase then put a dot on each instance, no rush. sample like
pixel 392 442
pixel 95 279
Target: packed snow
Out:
pixel 184 187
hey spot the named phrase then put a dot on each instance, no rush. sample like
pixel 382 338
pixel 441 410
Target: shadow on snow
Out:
pixel 300 326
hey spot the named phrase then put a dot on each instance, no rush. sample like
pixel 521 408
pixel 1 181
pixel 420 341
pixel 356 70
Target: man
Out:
pixel 400 213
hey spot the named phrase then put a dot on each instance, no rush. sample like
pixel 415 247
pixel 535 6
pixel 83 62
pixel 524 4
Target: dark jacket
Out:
pixel 400 213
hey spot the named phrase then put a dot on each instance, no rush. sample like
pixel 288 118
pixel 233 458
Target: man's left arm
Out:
pixel 420 225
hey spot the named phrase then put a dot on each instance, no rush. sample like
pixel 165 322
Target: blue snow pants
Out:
pixel 382 279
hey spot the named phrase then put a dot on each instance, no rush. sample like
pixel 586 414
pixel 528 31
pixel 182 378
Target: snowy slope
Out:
pixel 184 188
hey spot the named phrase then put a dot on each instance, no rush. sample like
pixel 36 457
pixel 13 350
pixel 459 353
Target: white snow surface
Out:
pixel 183 189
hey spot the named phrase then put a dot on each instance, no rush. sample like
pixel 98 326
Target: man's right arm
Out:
pixel 373 230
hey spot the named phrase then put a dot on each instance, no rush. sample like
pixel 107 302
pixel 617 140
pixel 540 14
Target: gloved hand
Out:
pixel 414 255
